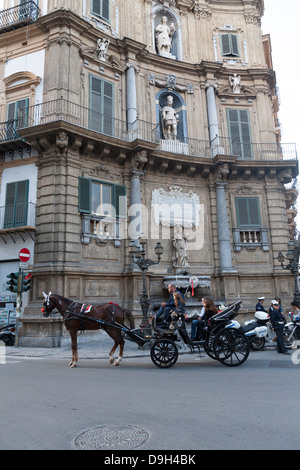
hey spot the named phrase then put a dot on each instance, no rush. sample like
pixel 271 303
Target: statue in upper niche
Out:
pixel 170 120
pixel 235 82
pixel 163 36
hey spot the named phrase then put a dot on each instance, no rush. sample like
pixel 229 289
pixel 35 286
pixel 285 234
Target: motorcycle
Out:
pixel 292 331
pixel 257 330
pixel 7 334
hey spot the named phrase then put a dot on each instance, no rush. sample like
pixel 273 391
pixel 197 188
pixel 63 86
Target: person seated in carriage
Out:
pixel 209 309
pixel 167 307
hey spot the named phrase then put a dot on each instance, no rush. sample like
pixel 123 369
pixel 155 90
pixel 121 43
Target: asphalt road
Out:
pixel 197 404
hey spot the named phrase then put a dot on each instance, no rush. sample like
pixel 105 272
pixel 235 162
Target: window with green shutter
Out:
pixel 240 133
pixel 101 106
pixel 248 212
pixel 16 204
pixel 17 117
pixel 101 8
pixel 230 45
pixel 102 198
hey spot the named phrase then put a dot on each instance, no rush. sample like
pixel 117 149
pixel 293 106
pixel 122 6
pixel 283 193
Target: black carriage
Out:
pixel 221 340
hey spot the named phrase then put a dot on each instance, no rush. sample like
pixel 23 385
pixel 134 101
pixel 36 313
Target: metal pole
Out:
pixel 19 300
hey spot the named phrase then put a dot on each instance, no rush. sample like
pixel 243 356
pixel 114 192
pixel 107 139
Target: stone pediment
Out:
pixel 246 92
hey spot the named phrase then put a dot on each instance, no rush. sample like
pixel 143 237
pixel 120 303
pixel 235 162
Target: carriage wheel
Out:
pixel 164 353
pixel 231 347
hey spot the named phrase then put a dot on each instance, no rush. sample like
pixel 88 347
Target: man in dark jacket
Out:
pixel 277 321
pixel 167 307
pixel 260 305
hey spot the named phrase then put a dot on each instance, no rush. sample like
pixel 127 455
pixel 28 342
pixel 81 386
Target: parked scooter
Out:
pixel 257 330
pixel 292 331
pixel 7 334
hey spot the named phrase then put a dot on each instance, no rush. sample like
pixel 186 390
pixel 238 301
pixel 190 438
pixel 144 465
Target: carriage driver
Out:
pixel 167 307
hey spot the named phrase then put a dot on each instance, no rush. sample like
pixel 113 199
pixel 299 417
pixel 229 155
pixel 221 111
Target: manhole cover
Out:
pixel 111 438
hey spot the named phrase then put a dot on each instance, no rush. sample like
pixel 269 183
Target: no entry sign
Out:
pixel 24 255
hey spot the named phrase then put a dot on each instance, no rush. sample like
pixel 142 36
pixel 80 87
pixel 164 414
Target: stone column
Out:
pixel 139 161
pixel 213 124
pixel 223 223
pixel 212 113
pixel 131 99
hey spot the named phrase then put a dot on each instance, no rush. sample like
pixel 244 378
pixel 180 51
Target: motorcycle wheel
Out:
pixel 8 340
pixel 257 344
pixel 289 340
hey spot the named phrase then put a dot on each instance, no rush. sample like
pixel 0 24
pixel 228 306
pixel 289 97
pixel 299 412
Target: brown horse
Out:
pixel 76 319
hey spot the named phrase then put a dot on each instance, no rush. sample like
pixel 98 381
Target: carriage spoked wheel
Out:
pixel 231 347
pixel 164 353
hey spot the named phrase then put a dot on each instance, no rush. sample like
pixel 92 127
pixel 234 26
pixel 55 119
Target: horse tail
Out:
pixel 128 315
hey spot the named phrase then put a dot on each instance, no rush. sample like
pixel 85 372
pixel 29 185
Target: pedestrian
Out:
pixel 260 305
pixel 277 321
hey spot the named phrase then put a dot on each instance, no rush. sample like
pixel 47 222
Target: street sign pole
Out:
pixel 19 300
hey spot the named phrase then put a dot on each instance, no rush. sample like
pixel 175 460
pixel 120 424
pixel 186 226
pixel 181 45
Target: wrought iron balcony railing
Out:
pixel 63 110
pixel 17 215
pixel 18 16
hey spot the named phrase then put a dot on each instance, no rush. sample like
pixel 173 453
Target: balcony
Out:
pixel 19 16
pixel 17 219
pixel 250 238
pixel 63 110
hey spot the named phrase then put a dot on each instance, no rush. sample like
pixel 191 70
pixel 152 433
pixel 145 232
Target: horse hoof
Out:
pixel 72 364
pixel 116 364
pixel 111 360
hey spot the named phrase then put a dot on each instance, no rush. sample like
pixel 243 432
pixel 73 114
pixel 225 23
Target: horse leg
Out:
pixel 73 334
pixel 121 346
pixel 111 354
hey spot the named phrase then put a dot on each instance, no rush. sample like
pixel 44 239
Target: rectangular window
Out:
pixel 102 198
pixel 17 117
pixel 240 133
pixel 230 45
pixel 101 8
pixel 101 106
pixel 16 204
pixel 248 212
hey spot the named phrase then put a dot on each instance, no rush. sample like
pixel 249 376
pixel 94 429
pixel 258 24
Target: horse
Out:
pixel 75 319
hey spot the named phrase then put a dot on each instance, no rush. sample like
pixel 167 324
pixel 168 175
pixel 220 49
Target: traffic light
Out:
pixel 12 284
pixel 26 282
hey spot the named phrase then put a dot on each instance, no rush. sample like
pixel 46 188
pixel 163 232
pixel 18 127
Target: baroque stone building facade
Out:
pixel 142 119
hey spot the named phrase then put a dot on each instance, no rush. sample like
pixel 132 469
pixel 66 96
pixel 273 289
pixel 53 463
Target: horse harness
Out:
pixel 70 314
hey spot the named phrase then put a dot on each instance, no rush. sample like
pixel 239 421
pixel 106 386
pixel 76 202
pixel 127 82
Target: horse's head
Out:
pixel 48 305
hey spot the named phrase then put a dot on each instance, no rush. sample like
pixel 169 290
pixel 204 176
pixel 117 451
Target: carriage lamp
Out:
pixel 292 259
pixel 138 255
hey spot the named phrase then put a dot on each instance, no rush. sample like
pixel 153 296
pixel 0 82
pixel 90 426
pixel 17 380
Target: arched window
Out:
pixel 179 107
pixel 167 33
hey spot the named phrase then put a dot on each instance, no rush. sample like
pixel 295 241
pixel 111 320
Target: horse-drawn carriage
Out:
pixel 221 340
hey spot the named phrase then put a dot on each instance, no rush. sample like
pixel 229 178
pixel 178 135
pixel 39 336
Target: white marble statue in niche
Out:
pixel 163 37
pixel 170 120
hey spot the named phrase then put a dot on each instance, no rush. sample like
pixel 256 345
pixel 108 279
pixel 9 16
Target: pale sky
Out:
pixel 281 21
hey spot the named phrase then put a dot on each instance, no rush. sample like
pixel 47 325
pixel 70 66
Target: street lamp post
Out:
pixel 292 258
pixel 138 256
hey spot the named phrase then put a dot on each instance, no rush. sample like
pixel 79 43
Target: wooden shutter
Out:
pixel 120 200
pixel 108 108
pixel 105 9
pixel 85 195
pixel 239 133
pixel 247 211
pixel 16 204
pixel 230 45
pixel 101 8
pixel 101 105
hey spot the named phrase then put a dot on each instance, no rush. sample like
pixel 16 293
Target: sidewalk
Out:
pixel 89 347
